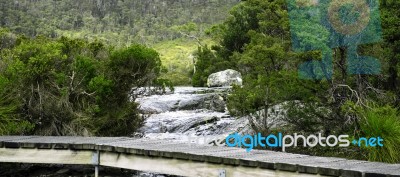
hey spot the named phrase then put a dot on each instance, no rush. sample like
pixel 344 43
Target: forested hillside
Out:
pixel 119 22
pixel 154 23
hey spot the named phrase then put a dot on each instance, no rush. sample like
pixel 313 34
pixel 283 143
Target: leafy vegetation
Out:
pixel 255 40
pixel 117 22
pixel 71 86
pixel 172 27
pixel 178 57
pixel 382 122
pixel 77 85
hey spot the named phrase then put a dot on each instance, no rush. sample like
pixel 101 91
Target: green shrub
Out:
pixel 72 87
pixel 382 122
pixel 163 84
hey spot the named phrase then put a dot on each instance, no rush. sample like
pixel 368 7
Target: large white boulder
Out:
pixel 225 78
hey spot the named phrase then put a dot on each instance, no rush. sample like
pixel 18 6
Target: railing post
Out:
pixel 96 161
pixel 96 171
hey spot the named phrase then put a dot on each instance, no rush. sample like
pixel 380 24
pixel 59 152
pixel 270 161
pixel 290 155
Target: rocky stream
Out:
pixel 186 114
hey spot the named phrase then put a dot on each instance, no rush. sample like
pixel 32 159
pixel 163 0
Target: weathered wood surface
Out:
pixel 260 159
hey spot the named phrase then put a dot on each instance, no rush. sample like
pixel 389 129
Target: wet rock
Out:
pixel 177 121
pixel 188 112
pixel 174 102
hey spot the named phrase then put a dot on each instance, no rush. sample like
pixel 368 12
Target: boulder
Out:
pixel 224 78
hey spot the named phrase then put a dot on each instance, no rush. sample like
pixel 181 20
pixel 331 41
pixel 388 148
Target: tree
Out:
pixel 255 39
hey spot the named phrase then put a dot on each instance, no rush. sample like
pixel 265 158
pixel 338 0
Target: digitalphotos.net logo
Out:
pixel 321 25
pixel 284 141
pixel 279 140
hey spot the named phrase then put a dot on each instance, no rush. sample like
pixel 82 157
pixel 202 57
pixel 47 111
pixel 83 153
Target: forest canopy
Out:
pixel 116 22
pixel 256 40
pixel 170 26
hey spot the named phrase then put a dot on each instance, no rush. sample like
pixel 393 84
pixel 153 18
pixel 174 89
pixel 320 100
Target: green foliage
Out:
pixel 207 63
pixel 132 67
pixel 7 39
pixel 378 121
pixel 163 84
pixel 383 122
pixel 9 123
pixel 118 22
pixel 178 59
pixel 101 86
pixel 168 26
pixel 72 87
pixel 118 121
pixel 266 91
pixel 255 40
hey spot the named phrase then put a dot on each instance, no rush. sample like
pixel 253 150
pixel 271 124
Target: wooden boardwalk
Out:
pixel 190 159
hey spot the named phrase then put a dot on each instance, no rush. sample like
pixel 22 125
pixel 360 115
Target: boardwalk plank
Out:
pixel 212 154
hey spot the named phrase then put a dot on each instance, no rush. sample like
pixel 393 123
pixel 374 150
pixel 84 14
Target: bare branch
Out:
pixel 192 37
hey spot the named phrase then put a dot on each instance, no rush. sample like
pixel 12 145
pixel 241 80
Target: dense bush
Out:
pixel 256 40
pixel 206 64
pixel 118 22
pixel 72 87
pixel 384 122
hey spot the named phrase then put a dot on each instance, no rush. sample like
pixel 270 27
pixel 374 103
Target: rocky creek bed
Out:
pixel 186 112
